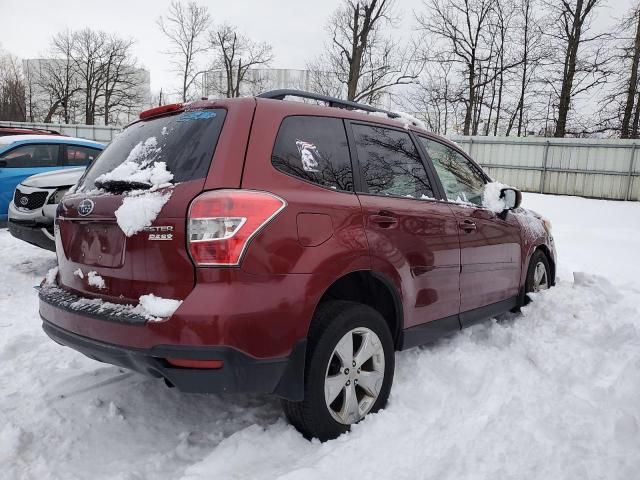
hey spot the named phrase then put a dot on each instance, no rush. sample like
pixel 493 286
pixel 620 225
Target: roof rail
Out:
pixel 331 101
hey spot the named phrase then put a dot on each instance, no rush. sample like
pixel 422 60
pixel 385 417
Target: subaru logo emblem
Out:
pixel 24 201
pixel 85 207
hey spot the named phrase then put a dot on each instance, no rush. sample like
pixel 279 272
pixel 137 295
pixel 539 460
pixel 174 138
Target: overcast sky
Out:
pixel 295 28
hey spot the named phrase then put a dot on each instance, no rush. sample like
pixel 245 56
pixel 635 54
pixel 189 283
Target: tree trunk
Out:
pixel 636 119
pixel 573 42
pixel 468 115
pixel 633 83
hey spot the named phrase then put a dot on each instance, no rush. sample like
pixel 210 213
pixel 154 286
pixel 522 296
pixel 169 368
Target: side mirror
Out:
pixel 512 198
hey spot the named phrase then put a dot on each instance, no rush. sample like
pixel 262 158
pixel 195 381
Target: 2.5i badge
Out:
pixel 161 232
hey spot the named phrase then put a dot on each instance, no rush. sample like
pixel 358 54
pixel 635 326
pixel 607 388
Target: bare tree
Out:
pixel 629 128
pixel 583 61
pixel 185 26
pixel 121 89
pixel 235 55
pixel 12 89
pixel 55 78
pixel 360 59
pixel 89 52
pixel 436 97
pixel 464 27
pixel 532 53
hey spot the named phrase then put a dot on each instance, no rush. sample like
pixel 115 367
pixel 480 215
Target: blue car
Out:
pixel 24 155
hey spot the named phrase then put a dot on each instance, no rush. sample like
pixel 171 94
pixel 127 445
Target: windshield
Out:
pixel 185 142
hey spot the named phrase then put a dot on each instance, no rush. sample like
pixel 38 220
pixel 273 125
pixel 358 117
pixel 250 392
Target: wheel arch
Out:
pixel 373 289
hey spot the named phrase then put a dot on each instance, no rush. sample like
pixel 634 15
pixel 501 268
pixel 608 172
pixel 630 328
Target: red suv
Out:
pixel 284 247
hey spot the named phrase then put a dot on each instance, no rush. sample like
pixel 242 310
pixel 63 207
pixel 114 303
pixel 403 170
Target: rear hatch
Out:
pixel 110 224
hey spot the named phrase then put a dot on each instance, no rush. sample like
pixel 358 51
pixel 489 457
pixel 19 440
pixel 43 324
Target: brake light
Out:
pixel 152 112
pixel 223 222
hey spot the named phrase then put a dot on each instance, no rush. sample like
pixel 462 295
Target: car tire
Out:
pixel 538 274
pixel 336 325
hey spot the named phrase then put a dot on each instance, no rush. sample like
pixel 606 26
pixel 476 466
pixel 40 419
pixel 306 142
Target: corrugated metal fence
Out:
pixel 99 133
pixel 599 168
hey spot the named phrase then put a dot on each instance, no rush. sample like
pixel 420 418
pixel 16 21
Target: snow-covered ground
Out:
pixel 553 393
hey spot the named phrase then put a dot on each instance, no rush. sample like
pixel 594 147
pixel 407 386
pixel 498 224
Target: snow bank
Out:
pixel 491 197
pixel 139 210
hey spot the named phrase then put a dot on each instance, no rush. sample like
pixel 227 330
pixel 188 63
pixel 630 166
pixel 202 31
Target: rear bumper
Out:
pixel 33 233
pixel 240 372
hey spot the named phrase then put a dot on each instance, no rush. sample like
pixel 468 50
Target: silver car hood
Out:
pixel 56 178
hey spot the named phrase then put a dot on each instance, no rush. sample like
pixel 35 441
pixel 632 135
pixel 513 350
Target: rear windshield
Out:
pixel 185 142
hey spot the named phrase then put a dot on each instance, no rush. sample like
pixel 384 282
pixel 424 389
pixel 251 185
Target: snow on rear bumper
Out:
pixel 261 316
pixel 70 302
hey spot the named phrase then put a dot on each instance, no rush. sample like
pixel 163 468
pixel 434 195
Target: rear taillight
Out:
pixel 223 222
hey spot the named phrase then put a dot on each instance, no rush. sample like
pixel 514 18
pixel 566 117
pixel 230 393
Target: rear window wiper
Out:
pixel 120 186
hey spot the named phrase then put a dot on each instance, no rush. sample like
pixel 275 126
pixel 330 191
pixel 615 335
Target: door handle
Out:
pixel 385 221
pixel 468 226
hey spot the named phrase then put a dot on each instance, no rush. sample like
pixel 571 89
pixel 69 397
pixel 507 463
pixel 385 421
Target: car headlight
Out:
pixel 547 225
pixel 56 198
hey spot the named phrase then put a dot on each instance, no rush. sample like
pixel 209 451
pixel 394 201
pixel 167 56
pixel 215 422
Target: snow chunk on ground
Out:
pixel 158 306
pixel 50 278
pixel 139 210
pixel 95 280
pixel 491 198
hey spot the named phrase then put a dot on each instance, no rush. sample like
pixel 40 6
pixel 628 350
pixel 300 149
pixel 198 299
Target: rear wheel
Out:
pixel 348 373
pixel 538 274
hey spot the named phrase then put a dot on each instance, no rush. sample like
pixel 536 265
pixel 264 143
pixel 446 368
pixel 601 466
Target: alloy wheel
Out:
pixel 354 375
pixel 540 278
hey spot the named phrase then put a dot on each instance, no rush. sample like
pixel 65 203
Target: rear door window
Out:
pixel 314 149
pixel 77 155
pixel 185 142
pixel 390 163
pixel 32 156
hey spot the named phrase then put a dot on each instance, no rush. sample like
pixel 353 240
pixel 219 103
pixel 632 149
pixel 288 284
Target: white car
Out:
pixel 33 209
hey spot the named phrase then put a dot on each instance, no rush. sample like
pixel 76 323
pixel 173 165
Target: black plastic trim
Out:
pixel 433 331
pixel 331 101
pixel 241 373
pixel 479 314
pixel 430 332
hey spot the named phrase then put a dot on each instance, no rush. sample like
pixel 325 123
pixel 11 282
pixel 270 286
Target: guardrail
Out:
pixel 597 168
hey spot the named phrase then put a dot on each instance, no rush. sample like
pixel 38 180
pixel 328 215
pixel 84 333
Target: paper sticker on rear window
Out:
pixel 309 155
